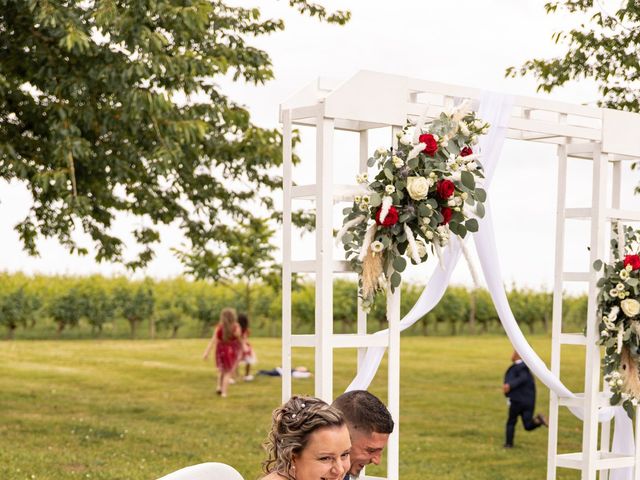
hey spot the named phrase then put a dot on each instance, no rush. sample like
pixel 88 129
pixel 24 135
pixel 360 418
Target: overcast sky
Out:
pixel 464 42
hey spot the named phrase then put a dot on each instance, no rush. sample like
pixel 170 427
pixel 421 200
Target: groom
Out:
pixel 370 425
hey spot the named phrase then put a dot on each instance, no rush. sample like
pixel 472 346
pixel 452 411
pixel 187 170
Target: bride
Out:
pixel 309 440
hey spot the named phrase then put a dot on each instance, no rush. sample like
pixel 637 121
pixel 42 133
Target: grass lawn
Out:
pixel 140 409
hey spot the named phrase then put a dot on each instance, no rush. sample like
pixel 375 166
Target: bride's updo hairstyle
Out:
pixel 291 426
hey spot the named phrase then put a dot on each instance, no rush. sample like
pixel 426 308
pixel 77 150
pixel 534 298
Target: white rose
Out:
pixel 389 189
pixel 472 166
pixel 630 307
pixel 421 247
pixel 418 187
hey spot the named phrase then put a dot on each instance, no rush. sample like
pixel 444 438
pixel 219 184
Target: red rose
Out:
pixel 390 219
pixel 633 260
pixel 430 142
pixel 446 213
pixel 445 189
pixel 465 152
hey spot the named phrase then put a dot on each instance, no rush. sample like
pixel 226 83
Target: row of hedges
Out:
pixel 75 307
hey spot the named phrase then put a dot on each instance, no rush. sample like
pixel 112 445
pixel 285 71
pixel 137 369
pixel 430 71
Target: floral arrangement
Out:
pixel 424 191
pixel 619 313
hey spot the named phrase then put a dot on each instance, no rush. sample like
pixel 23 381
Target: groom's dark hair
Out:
pixel 364 412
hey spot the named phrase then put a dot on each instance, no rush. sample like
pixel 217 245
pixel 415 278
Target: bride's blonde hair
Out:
pixel 291 425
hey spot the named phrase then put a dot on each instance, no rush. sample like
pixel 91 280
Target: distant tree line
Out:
pixel 96 306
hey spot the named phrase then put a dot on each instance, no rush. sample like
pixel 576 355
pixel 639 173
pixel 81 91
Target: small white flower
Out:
pixel 377 246
pixel 619 382
pixel 464 196
pixel 406 140
pixel 613 292
pixel 397 161
pixel 428 234
pixel 451 202
pixel 357 198
pixel 464 129
pixel 380 152
pixel 612 383
pixel 457 209
pixel 365 199
pixel 364 207
pixel 443 231
pixel 624 274
pixel 399 134
pixel 628 268
pixel 473 140
pixel 471 166
pixel 432 175
pixel 389 189
pixel 431 182
pixel 454 166
pixel 620 287
pixel 604 333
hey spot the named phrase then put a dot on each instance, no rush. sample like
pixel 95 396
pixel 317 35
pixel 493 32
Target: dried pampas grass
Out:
pixel 629 373
pixel 371 272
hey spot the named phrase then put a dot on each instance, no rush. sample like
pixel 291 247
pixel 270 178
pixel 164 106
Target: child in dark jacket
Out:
pixel 520 389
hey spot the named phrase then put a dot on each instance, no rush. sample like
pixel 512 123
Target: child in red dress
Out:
pixel 226 341
pixel 247 356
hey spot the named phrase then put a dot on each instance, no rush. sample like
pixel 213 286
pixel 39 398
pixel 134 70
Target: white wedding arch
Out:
pixel 371 100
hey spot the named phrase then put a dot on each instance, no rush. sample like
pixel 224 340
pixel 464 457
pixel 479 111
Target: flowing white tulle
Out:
pixel 495 109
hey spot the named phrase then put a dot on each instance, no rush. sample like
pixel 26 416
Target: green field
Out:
pixel 140 409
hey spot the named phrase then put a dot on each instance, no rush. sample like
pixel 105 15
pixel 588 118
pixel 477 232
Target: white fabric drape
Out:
pixel 495 109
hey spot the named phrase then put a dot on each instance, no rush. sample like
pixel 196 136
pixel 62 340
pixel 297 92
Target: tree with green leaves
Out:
pixel 604 47
pixel 67 309
pixel 113 107
pixel 243 262
pixel 136 306
pixel 98 304
pixel 18 308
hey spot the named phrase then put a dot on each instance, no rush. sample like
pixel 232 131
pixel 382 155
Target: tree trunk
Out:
pixel 133 325
pixel 11 329
pixel 152 327
pixel 247 300
pixel 472 312
pixel 174 334
pixel 425 327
